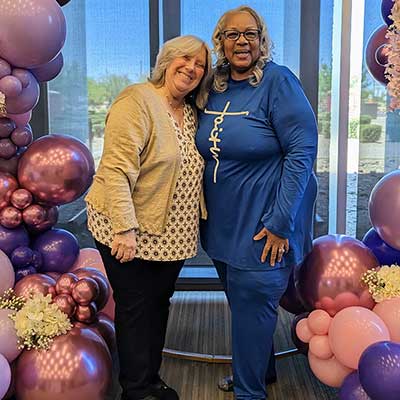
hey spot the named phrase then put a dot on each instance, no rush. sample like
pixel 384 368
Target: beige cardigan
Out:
pixel 137 175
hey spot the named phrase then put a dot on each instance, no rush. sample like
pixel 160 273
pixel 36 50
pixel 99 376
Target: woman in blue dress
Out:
pixel 258 137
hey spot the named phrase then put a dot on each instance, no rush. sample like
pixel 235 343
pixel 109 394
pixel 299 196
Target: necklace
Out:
pixel 176 108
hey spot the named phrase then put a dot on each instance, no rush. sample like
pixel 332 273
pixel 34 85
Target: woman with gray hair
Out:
pixel 144 206
pixel 258 137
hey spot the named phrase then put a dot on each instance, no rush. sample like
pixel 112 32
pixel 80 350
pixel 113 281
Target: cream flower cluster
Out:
pixel 383 283
pixel 39 321
pixel 393 67
pixel 10 301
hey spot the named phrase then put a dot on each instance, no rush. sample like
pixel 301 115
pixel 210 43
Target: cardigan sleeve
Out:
pixel 126 134
pixel 296 129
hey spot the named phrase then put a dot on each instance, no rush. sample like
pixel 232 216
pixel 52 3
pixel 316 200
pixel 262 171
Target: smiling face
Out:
pixel 185 73
pixel 241 54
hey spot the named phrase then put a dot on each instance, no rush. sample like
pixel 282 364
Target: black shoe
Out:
pixel 162 391
pixel 226 383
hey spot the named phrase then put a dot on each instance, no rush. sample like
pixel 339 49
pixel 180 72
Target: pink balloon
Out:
pixel 331 371
pixel 10 217
pixel 49 71
pixel 7 185
pixel 352 330
pixel 56 180
pixel 366 300
pixel 8 336
pixel 389 312
pixel 384 208
pixel 303 331
pixel 334 266
pixel 21 198
pixel 77 366
pixel 35 283
pixel 20 119
pixel 65 283
pixel 5 376
pixel 319 322
pixel 65 303
pixel 346 299
pixel 40 43
pixel 320 347
pixel 10 86
pixel 7 275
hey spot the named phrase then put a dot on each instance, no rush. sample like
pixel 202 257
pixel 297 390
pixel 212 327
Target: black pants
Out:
pixel 142 292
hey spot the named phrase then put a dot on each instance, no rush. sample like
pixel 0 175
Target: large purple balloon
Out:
pixel 386 10
pixel 351 388
pixel 56 169
pixel 384 208
pixel 59 249
pixel 385 254
pixel 376 54
pixel 330 276
pixel 10 239
pixel 80 369
pixel 40 43
pixel 49 71
pixel 290 300
pixel 379 370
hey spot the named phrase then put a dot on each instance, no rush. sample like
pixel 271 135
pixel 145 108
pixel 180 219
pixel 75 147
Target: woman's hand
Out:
pixel 123 246
pixel 276 244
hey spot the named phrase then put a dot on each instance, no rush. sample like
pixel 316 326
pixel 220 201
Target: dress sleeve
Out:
pixel 126 134
pixel 296 129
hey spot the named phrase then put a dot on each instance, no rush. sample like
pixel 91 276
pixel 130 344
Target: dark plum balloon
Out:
pixel 6 127
pixel 7 148
pixel 376 54
pixel 34 215
pixel 290 300
pixel 35 283
pixel 56 169
pixel 21 256
pixel 50 220
pixel 10 239
pixel 59 249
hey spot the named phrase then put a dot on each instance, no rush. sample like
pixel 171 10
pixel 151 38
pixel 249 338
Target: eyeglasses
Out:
pixel 250 34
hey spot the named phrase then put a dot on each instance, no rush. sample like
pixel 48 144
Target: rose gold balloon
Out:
pixel 86 314
pixel 21 198
pixel 77 366
pixel 65 282
pixel 85 290
pixel 49 221
pixel 65 303
pixel 34 215
pixel 35 283
pixel 330 276
pixel 10 217
pixel 7 186
pixel 57 169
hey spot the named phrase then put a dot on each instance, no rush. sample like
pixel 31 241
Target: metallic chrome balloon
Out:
pixel 105 326
pixel 36 283
pixel 10 217
pixel 86 314
pixel 34 215
pixel 7 185
pixel 65 303
pixel 77 366
pixel 56 169
pixel 21 198
pixel 330 276
pixel 85 290
pixel 50 220
pixel 65 282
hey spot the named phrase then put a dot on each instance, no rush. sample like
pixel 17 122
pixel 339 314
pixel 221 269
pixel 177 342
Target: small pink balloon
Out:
pixel 7 148
pixel 389 312
pixel 319 346
pixel 7 186
pixel 5 376
pixel 8 336
pixel 65 303
pixel 21 198
pixel 86 313
pixel 10 217
pixel 35 283
pixel 331 371
pixel 303 331
pixel 21 119
pixel 319 321
pixel 34 215
pixel 352 330
pixel 22 136
pixel 10 86
pixel 65 282
pixel 85 291
pixel 7 275
pixel 6 127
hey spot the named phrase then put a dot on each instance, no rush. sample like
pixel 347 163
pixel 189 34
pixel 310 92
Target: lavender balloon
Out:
pixel 10 217
pixel 21 256
pixel 10 239
pixel 56 180
pixel 6 127
pixel 59 249
pixel 22 136
pixel 49 71
pixel 351 388
pixel 379 370
pixel 21 119
pixel 7 148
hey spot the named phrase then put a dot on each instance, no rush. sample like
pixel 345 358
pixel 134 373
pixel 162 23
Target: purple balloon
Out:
pixel 375 54
pixel 28 48
pixel 56 180
pixel 10 86
pixel 23 75
pixel 49 71
pixel 10 217
pixel 379 370
pixel 24 271
pixel 6 127
pixel 22 136
pixel 37 260
pixel 290 300
pixel 21 256
pixel 386 10
pixel 301 346
pixel 59 249
pixel 5 68
pixel 7 148
pixel 50 220
pixel 10 239
pixel 351 388
pixel 385 254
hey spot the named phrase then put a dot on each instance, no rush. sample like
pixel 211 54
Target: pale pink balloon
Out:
pixel 319 321
pixel 389 312
pixel 7 274
pixel 8 336
pixel 303 331
pixel 320 347
pixel 21 119
pixel 331 371
pixel 328 304
pixel 5 376
pixel 352 330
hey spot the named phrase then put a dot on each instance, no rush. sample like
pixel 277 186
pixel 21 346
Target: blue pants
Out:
pixel 253 298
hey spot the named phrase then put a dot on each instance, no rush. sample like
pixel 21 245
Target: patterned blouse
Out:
pixel 180 237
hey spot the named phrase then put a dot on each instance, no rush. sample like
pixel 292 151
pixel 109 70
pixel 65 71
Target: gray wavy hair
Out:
pixel 222 67
pixel 181 46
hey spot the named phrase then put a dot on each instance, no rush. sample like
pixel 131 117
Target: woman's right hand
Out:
pixel 123 246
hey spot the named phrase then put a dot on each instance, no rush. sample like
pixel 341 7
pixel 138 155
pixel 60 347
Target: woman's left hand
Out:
pixel 277 245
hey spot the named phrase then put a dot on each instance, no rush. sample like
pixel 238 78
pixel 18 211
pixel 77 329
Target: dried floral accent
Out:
pixel 11 301
pixel 383 283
